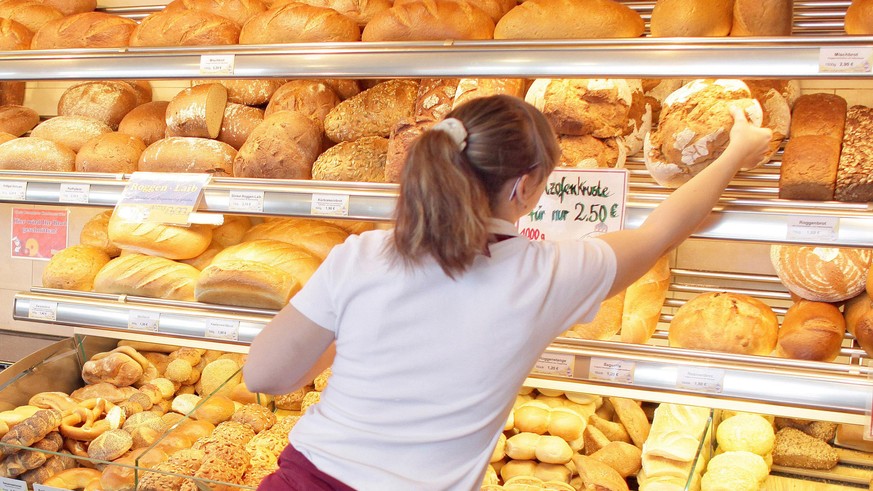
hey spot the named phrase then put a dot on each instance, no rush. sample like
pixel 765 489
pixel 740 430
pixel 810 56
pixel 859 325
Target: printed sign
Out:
pixel 7 484
pixel 42 310
pixel 330 205
pixel 222 329
pixel 578 203
pixel 13 191
pixel 38 234
pixel 216 64
pixel 161 197
pixel 555 364
pixel 700 379
pixel 143 320
pixel 43 487
pixel 246 201
pixel 74 193
pixel 611 370
pixel 849 59
pixel 816 229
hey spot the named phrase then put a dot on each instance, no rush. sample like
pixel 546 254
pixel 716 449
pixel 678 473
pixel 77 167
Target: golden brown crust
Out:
pixel 421 20
pixel 299 23
pixel 84 30
pixel 185 28
pixel 538 19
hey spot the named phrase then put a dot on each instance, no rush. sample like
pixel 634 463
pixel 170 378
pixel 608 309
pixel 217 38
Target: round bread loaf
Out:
pixel 776 115
pixel 494 8
pixel 17 120
pixel 403 134
pixel 105 101
pixel 110 152
pixel 95 233
pixel 33 15
pixel 821 274
pixel 185 28
pixel 299 23
pixel 251 92
pixel 656 90
pixel 362 160
pixel 14 36
pixel 71 131
pixel 284 146
pixel 84 30
pixel 36 154
pixel 422 20
pixel 789 89
pixel 148 122
pixel 746 432
pixel 238 11
pixel 859 18
pixel 373 112
pixel 143 89
pixel 588 152
pixel 762 18
pixel 726 322
pixel 184 154
pixel 473 88
pixel 158 239
pixel 811 331
pixel 566 19
pixel 71 7
pixel 197 111
pixel 691 18
pixel 238 123
pixel 859 321
pixel 309 97
pixel 74 268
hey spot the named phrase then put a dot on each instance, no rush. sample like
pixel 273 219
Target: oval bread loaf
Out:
pixel 74 268
pixel 12 93
pixel 362 160
pixel 238 11
pixel 283 146
pixel 147 276
pixel 762 18
pixel 422 20
pixel 197 111
pixel 859 320
pixel 309 97
pixel 251 92
pixel 537 19
pixel 71 131
pixel 494 8
pixel 373 112
pixel 157 239
pixel 85 30
pixel 684 18
pixel 238 123
pixel 95 233
pixel 184 154
pixel 299 23
pixel 110 152
pixel 360 11
pixel 148 122
pixel 184 28
pixel 71 7
pixel 821 274
pixel 105 101
pixel 36 154
pixel 17 120
pixel 315 236
pixel 811 331
pixel 14 36
pixel 33 15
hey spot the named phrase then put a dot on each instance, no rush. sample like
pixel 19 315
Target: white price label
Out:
pixel 699 379
pixel 216 64
pixel 140 320
pixel 850 59
pixel 611 370
pixel 818 229
pixel 7 484
pixel 74 193
pixel 15 190
pixel 222 329
pixel 330 205
pixel 555 364
pixel 43 487
pixel 42 310
pixel 246 201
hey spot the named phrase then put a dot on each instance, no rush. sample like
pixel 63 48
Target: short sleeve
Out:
pixel 314 300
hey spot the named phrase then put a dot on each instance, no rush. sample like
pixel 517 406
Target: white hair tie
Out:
pixel 455 129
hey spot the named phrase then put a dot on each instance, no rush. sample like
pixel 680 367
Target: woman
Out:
pixel 432 327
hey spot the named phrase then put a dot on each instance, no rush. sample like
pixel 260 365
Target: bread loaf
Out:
pixel 114 368
pixel 84 30
pixel 855 173
pixel 495 9
pixel 435 98
pixel 232 231
pixel 795 448
pixel 597 475
pixel 36 154
pixel 606 322
pixel 403 134
pixel 776 115
pixel 5 137
pixel 74 268
pixel 344 88
pixel 70 131
pixel 251 92
pixel 110 152
pixel 423 20
pixel 538 19
pixel 105 101
pixel 811 331
pixel 372 112
pixel 71 7
pixel 315 236
pixel 184 28
pixel 143 89
pixel 183 154
pixel 33 15
pixel 859 18
pixel 12 93
pixel 309 97
pixel 821 274
pixel 172 242
pixel 147 276
pixel 360 11
pixel 17 120
pixel 691 18
pixel 147 122
pixel 31 430
pixel 588 152
pixel 762 17
pixel 643 301
pixel 859 321
pixel 197 111
pixel 238 123
pixel 809 168
pixel 14 36
pixel 95 233
pixel 283 146
pixel 727 322
pixel 238 11
pixel 299 23
pixel 472 88
pixel 820 115
pixel 362 160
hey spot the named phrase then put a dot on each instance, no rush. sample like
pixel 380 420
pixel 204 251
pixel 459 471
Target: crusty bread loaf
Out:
pixel 238 123
pixel 821 274
pixel 283 146
pixel 147 276
pixel 859 321
pixel 472 88
pixel 5 137
pixel 185 28
pixel 360 11
pixel 71 131
pixel 299 23
pixel 105 101
pixel 495 9
pixel 74 268
pixel 538 19
pixel 95 233
pixel 854 180
pixel 197 111
pixel 157 239
pixel 809 168
pixel 32 14
pixel 727 322
pixel 148 122
pixel 643 301
pixel 71 7
pixel 776 115
pixel 143 89
pixel 435 98
pixel 423 20
pixel 184 154
pixel 251 92
pixel 344 87
pixel 606 322
pixel 238 11
pixel 599 107
pixel 589 152
pixel 373 112
pixel 110 152
pixel 691 18
pixel 859 18
pixel 819 114
pixel 795 448
pixel 403 134
pixel 85 30
pixel 14 36
pixel 309 97
pixel 811 331
pixel 17 120
pixel 362 160
pixel 12 93
pixel 315 236
pixel 762 17
pixel 36 154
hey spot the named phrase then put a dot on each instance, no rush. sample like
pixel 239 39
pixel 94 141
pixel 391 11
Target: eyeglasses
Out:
pixel 518 180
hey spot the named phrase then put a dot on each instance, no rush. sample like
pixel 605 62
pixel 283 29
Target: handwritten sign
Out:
pixel 578 203
pixel 819 229
pixel 161 197
pixel 38 234
pixel 849 59
pixel 555 364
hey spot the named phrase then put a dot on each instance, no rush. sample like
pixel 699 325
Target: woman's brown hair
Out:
pixel 449 188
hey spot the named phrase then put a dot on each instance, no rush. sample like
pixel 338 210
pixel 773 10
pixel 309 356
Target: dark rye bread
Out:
pixel 795 448
pixel 855 172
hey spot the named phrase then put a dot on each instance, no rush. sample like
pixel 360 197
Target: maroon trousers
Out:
pixel 296 473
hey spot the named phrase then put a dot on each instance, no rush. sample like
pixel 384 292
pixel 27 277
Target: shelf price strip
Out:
pixel 700 379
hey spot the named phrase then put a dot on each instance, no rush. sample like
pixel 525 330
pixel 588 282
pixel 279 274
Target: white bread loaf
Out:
pixel 539 19
pixel 362 160
pixel 351 226
pixel 299 23
pixel 147 276
pixel 821 274
pixel 148 122
pixel 71 131
pixel 74 268
pixel 691 18
pixel 315 236
pixel 859 18
pixel 232 231
pixel 105 101
pixel 312 98
pixel 17 120
pixel 238 11
pixel 183 154
pixel 238 123
pixel 373 112
pixel 33 15
pixel 36 154
pixel 283 146
pixel 14 36
pixel 95 233
pixel 205 258
pixel 473 88
pixel 251 92
pixel 84 30
pixel 110 152
pixel 643 301
pixel 197 111
pixel 360 11
pixel 157 239
pixel 676 431
pixel 762 17
pixel 423 20
pixel 185 28
pixel 811 331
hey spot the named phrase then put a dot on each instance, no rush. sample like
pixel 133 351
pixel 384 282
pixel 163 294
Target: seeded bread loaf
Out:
pixel 854 180
pixel 362 160
pixel 795 448
pixel 373 112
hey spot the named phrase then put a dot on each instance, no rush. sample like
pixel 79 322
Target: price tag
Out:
pixel 13 190
pixel 700 379
pixel 555 364
pixel 851 59
pixel 330 205
pixel 143 320
pixel 216 64
pixel 161 197
pixel 43 487
pixel 817 229
pixel 7 484
pixel 578 203
pixel 42 310
pixel 611 370
pixel 246 201
pixel 74 193
pixel 222 329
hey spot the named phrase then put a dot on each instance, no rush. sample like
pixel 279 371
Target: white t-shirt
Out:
pixel 427 367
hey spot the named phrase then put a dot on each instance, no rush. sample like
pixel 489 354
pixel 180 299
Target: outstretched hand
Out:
pixel 749 142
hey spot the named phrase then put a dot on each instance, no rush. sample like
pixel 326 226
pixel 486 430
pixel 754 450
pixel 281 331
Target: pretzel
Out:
pixel 87 415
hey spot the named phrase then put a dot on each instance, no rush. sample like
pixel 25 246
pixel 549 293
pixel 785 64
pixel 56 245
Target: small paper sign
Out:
pixel 849 59
pixel 143 320
pixel 7 484
pixel 38 234
pixel 13 190
pixel 699 379
pixel 555 364
pixel 578 203
pixel 216 64
pixel 246 201
pixel 815 229
pixel 611 370
pixel 161 197
pixel 43 487
pixel 42 310
pixel 330 205
pixel 74 193
pixel 222 329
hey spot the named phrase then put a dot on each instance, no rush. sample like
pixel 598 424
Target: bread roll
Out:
pixel 819 114
pixel 14 36
pixel 238 123
pixel 299 23
pixel 283 146
pixel 147 122
pixel 105 101
pixel 809 168
pixel 762 17
pixel 238 11
pixel 33 15
pixel 854 182
pixel 147 276
pixel 95 233
pixel 71 131
pixel 859 18
pixel 251 92
pixel 691 18
pixel 184 28
pixel 362 160
pixel 172 242
pixel 315 236
pixel 309 97
pixel 538 19
pixel 422 20
pixel 36 154
pixel 74 268
pixel 372 112
pixel 360 11
pixel 183 154
pixel 197 111
pixel 859 321
pixel 110 152
pixel 643 301
pixel 821 274
pixel 17 120
pixel 811 331
pixel 84 30
pixel 472 88
pixel 625 458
